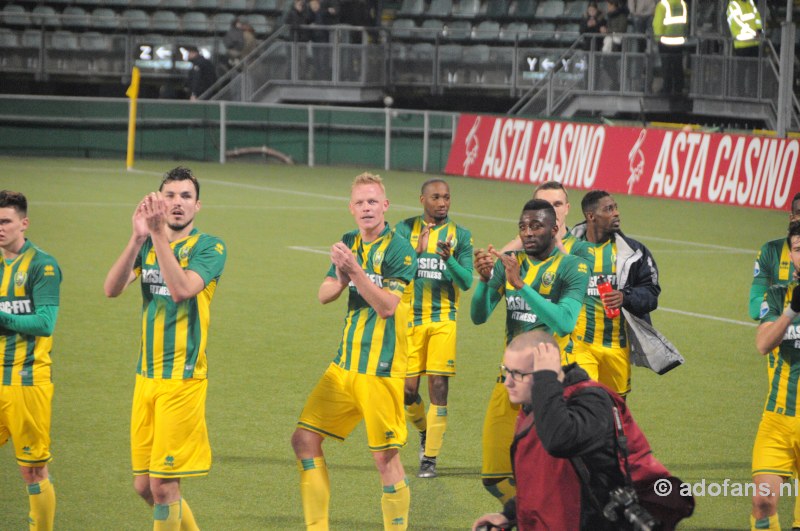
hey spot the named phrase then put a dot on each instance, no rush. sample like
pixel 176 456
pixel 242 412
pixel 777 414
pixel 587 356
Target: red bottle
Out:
pixel 603 287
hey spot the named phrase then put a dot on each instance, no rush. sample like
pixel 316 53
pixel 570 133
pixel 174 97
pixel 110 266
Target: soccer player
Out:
pixel 29 299
pixel 180 268
pixel 773 266
pixel 554 193
pixel 366 378
pixel 543 289
pixel 775 451
pixel 444 268
pixel 599 343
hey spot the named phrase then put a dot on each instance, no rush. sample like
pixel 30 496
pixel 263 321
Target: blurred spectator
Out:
pixel 321 37
pixel 744 22
pixel 250 41
pixel 641 12
pixel 593 22
pixel 297 16
pixel 234 41
pixel 670 24
pixel 616 24
pixel 330 10
pixel 202 74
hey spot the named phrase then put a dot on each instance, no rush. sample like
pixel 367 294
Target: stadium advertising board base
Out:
pixel 720 168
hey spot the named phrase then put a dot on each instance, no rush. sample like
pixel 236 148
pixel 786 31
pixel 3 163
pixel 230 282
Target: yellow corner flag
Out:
pixel 133 94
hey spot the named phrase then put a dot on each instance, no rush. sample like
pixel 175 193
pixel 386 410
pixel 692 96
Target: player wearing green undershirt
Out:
pixel 444 260
pixel 543 289
pixel 775 452
pixel 29 298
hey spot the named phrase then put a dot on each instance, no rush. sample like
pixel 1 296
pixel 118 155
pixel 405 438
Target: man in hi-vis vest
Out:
pixel 745 24
pixel 670 25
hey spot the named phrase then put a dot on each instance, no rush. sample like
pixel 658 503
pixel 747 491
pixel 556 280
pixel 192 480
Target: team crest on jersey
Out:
pixel 548 278
pixel 49 271
pixel 20 278
pixel 764 310
pixel 183 253
pixel 377 258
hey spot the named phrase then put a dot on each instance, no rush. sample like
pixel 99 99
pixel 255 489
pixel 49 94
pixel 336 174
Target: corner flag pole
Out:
pixel 133 94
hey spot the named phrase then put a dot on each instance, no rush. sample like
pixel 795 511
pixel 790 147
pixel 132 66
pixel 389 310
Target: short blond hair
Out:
pixel 368 178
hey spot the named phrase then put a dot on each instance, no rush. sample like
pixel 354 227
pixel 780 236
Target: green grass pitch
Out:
pixel 271 340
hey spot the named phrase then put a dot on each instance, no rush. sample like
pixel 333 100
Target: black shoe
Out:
pixel 423 436
pixel 427 467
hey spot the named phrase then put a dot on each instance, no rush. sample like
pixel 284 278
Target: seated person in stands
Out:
pixel 593 22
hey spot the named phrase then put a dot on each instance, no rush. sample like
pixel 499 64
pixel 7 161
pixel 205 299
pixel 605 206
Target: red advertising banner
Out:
pixel 720 168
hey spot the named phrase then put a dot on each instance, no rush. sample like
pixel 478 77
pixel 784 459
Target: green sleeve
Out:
pixel 400 262
pixel 402 229
pixel 207 258
pixel 487 295
pixel 757 292
pixel 41 323
pixel 560 316
pixel 459 264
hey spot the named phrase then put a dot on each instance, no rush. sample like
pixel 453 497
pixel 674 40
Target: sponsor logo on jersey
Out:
pixel 792 333
pixel 26 450
pixel 407 260
pixel 389 435
pixel 169 461
pixel 152 276
pixel 20 278
pixel 548 278
pixel 583 268
pixel 756 269
pixel 49 271
pixel 764 310
pixel 219 248
pixel 19 306
pixel 394 285
pixel 524 316
pixel 517 303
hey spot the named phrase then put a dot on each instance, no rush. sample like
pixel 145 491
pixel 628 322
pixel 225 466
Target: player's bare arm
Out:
pixel 382 301
pixel 182 284
pixel 121 273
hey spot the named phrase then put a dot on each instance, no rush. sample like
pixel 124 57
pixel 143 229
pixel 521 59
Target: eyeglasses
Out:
pixel 517 376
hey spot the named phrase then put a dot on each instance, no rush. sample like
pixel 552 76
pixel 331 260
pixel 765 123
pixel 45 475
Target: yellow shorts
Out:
pixel 342 398
pixel 432 349
pixel 25 413
pixel 777 447
pixel 498 434
pixel 169 437
pixel 610 366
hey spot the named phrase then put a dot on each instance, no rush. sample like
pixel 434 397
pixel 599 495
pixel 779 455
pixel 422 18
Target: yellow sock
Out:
pixel 770 522
pixel 42 498
pixel 437 425
pixel 503 490
pixel 395 502
pixel 315 490
pixel 188 523
pixel 167 517
pixel 416 414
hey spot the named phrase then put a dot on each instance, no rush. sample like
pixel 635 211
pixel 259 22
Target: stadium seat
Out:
pixel 32 38
pixel 145 4
pixel 497 8
pixel 523 9
pixel 514 32
pixel 135 19
pixel 575 9
pixel 543 33
pixel 234 5
pixel 550 9
pixel 206 5
pixel 260 24
pixel 431 29
pixel 266 5
pixel 90 3
pixel 104 18
pixel 440 8
pixel 75 17
pixel 466 8
pixel 178 5
pixel 568 33
pixel 458 30
pixel 64 40
pixel 8 38
pixel 93 41
pixel 422 51
pixel 411 7
pixel 63 2
pixel 403 28
pixel 488 30
pixel 117 3
pixel 164 21
pixel 45 16
pixel 221 22
pixel 195 22
pixel 15 15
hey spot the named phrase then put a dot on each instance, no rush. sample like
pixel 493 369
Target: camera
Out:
pixel 624 505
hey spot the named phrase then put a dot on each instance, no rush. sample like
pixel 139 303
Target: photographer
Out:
pixel 569 453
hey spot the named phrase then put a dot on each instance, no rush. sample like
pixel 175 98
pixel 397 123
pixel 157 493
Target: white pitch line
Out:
pixel 668 310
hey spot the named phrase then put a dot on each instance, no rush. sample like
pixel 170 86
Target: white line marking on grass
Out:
pixel 318 250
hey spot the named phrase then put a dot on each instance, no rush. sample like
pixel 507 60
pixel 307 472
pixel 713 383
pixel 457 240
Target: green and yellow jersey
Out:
pixel 438 283
pixel 368 341
pixel 559 277
pixel 772 266
pixel 593 327
pixel 29 282
pixel 784 362
pixel 174 335
pixel 569 241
